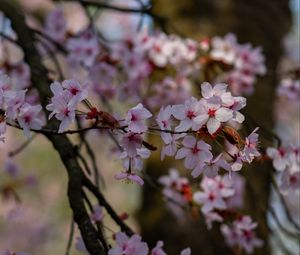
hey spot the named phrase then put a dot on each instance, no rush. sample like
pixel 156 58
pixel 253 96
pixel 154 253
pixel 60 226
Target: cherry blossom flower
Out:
pixel 5 85
pixel 131 142
pixel 130 176
pixel 173 180
pixel 129 246
pixel 14 100
pixel 163 118
pixel 211 217
pixel 28 118
pixel 83 49
pixel 78 93
pixel 194 152
pixel 20 75
pixel 210 198
pixel 62 106
pixel 224 49
pixel 250 150
pixel 290 179
pixel 136 117
pixel 214 94
pixel 238 104
pixel 241 233
pixel 289 88
pixel 187 115
pixel 157 250
pixel 102 77
pixel 211 167
pixel 280 157
pixel 171 144
pixel 186 251
pixel 213 115
pixel 176 190
pixel 135 161
pixel 56 25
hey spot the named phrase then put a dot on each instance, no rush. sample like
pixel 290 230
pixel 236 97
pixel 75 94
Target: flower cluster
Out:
pixel 241 234
pixel 14 108
pixel 219 197
pixel 132 144
pixel 65 101
pixel 209 115
pixel 289 88
pixel 247 62
pixel 176 191
pixel 286 160
pixel 135 246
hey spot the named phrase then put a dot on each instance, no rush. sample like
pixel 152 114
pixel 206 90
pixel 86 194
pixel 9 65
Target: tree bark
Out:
pixel 66 150
pixel 261 23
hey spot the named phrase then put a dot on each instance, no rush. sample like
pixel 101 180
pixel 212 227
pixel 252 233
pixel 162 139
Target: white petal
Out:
pixel 212 125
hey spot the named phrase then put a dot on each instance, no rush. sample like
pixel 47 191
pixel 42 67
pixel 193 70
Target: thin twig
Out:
pixel 71 236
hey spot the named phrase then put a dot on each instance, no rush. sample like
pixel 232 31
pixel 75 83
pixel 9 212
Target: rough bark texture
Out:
pixel 261 23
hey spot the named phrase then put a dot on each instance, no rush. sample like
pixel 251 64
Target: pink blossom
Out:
pixel 214 94
pixel 61 106
pixel 210 198
pixel 5 86
pixel 77 92
pixel 290 178
pixel 173 180
pixel 130 176
pixel 289 88
pixel 242 234
pixel 131 142
pixel 84 49
pixel 171 144
pixel 157 250
pixel 194 152
pixel 187 114
pixel 129 246
pixel 213 115
pixel 136 117
pixel 163 118
pixel 20 75
pixel 186 251
pixel 102 76
pixel 250 150
pixel 28 118
pixel 211 217
pixel 56 25
pixel 135 161
pixel 14 100
pixel 224 49
pixel 211 167
pixel 280 157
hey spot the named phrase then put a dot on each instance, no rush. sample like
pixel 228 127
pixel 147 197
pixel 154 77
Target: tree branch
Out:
pixel 40 80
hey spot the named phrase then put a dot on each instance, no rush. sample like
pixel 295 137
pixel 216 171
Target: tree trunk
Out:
pixel 261 23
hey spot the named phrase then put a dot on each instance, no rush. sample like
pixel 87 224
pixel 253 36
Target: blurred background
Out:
pixel 38 220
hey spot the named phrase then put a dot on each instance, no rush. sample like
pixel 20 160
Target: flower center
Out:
pixel 211 113
pixel 190 114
